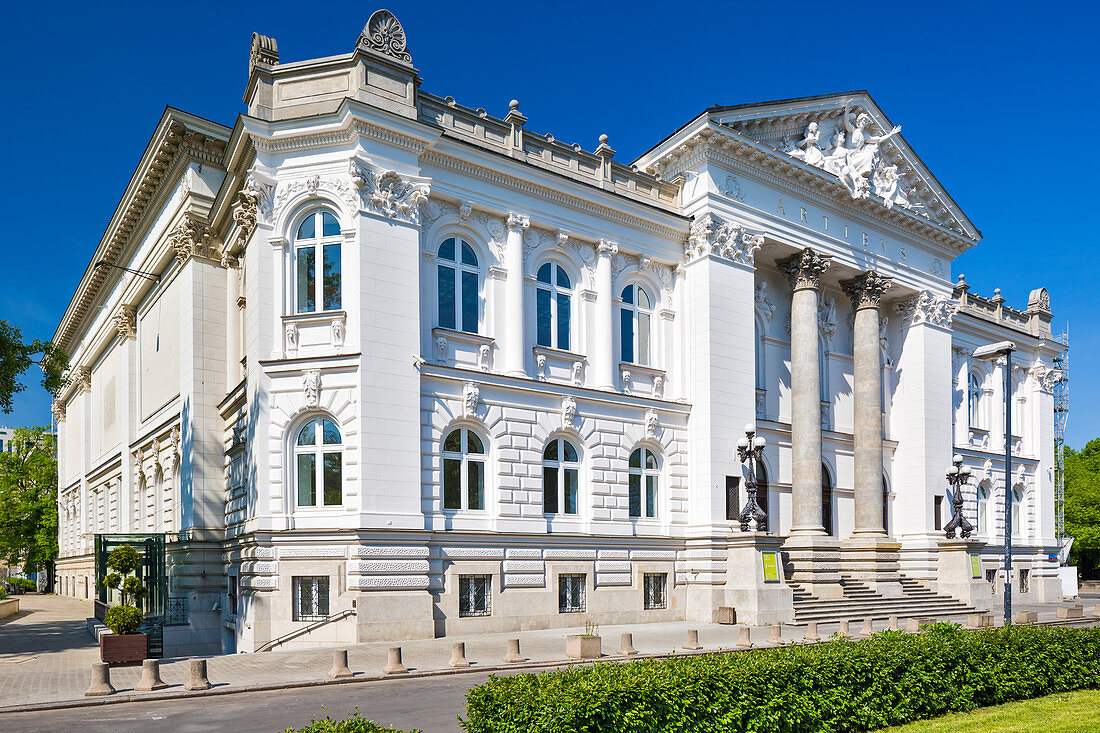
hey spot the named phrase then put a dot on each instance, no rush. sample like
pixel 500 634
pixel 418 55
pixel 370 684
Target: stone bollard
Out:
pixel 693 640
pixel 198 679
pixel 101 680
pixel 975 621
pixel 743 640
pixel 811 633
pixel 892 625
pixel 1096 610
pixel 340 668
pixel 458 655
pixel 843 630
pixel 393 662
pixel 626 646
pixel 514 656
pixel 777 635
pixel 912 625
pixel 868 629
pixel 150 676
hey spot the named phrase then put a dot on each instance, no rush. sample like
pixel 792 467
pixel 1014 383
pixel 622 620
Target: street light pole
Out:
pixel 992 351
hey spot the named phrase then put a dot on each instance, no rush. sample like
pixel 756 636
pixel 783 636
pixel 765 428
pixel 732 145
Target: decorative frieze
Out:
pixel 927 307
pixel 804 270
pixel 387 193
pixel 729 240
pixel 866 289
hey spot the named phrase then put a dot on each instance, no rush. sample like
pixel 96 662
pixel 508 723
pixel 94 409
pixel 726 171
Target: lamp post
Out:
pixel 957 476
pixel 750 449
pixel 988 353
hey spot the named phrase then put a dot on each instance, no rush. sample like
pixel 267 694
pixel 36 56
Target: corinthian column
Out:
pixel 515 342
pixel 866 292
pixel 804 271
pixel 602 352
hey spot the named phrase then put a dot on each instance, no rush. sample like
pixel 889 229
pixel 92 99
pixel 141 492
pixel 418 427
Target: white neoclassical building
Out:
pixel 382 365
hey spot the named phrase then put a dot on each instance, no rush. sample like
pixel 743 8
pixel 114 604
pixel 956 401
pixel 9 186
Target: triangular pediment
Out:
pixel 866 156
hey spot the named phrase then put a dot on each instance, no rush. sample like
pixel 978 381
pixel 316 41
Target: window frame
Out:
pixel 984 512
pixel 319 450
pixel 1017 517
pixel 561 467
pixel 458 268
pixel 566 582
pixel 974 400
pixel 318 581
pixel 647 509
pixel 318 243
pixel 648 601
pixel 556 293
pixel 464 459
pixel 637 312
pixel 466 595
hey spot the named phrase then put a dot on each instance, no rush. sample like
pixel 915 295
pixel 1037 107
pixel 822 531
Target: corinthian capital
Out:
pixel 125 321
pixel 866 289
pixel 804 270
pixel 607 248
pixel 927 307
pixel 517 222
pixel 711 236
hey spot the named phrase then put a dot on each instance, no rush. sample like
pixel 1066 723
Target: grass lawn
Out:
pixel 1068 712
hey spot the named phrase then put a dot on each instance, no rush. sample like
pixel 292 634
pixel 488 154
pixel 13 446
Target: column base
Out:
pixel 955 575
pixel 812 561
pixel 756 601
pixel 874 561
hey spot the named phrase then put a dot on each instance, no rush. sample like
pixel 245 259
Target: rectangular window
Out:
pixel 475 595
pixel 231 605
pixel 571 593
pixel 310 598
pixel 654 586
pixel 307 477
pixel 469 302
pixel 1025 576
pixel 446 297
pixel 626 334
pixel 563 321
pixel 332 277
pixel 452 483
pixel 334 489
pixel 542 318
pixel 549 490
pixel 306 280
pixel 635 495
pixel 475 486
pixel 937 512
pixel 733 498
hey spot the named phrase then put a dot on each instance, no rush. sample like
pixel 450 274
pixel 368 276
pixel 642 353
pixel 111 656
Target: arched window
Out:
pixel 318 458
pixel 762 494
pixel 463 470
pixel 317 240
pixel 983 510
pixel 635 316
pixel 560 477
pixel 1017 512
pixel 974 400
pixel 644 483
pixel 826 500
pixel 552 300
pixel 459 286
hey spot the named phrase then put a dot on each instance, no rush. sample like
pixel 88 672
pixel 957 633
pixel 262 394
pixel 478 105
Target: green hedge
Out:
pixel 351 724
pixel 889 679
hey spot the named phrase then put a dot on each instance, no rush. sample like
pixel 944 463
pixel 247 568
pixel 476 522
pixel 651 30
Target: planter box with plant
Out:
pixel 124 644
pixel 588 645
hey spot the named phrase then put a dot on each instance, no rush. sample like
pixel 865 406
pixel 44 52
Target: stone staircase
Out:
pixel 860 602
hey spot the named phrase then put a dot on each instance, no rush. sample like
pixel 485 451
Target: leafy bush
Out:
pixel 836 686
pixel 123 619
pixel 351 724
pixel 25 585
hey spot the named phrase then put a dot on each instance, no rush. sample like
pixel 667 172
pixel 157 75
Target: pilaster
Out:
pixel 602 352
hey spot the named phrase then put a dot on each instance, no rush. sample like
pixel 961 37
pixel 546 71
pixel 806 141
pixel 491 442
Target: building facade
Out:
pixel 399 363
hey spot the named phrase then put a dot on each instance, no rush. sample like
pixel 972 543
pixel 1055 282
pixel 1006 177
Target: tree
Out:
pixel 16 357
pixel 28 502
pixel 1082 481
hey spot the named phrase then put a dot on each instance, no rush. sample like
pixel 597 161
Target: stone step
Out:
pixel 876 616
pixel 914 608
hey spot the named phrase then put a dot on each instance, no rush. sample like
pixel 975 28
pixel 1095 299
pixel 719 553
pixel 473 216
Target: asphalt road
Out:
pixel 430 704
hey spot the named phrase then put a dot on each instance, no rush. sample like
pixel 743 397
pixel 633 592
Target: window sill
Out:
pixel 556 365
pixel 460 348
pixel 306 334
pixel 642 380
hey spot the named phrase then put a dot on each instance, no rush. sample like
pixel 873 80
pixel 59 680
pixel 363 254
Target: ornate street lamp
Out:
pixel 957 476
pixel 750 449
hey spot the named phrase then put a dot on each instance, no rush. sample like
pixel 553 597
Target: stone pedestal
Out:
pixel 813 562
pixel 954 574
pixel 755 601
pixel 1045 589
pixel 874 561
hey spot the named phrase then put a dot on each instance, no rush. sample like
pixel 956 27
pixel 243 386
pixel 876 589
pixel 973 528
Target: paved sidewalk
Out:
pixel 45 655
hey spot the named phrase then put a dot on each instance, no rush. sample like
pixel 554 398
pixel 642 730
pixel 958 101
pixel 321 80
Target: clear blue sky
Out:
pixel 999 99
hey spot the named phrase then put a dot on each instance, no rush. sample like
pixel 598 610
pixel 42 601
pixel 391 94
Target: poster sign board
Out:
pixel 975 565
pixel 771 566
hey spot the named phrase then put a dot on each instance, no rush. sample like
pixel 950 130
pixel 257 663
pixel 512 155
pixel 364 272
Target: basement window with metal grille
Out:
pixel 571 594
pixel 1025 578
pixel 310 598
pixel 475 595
pixel 654 586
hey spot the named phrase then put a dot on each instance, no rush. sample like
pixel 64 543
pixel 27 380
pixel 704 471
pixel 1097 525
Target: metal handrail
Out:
pixel 306 629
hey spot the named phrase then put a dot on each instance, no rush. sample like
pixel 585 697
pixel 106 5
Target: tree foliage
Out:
pixel 28 501
pixel 16 356
pixel 1083 506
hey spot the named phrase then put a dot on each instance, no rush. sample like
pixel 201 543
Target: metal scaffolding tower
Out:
pixel 1061 413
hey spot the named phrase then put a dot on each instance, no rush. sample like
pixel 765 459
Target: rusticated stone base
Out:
pixel 873 561
pixel 813 562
